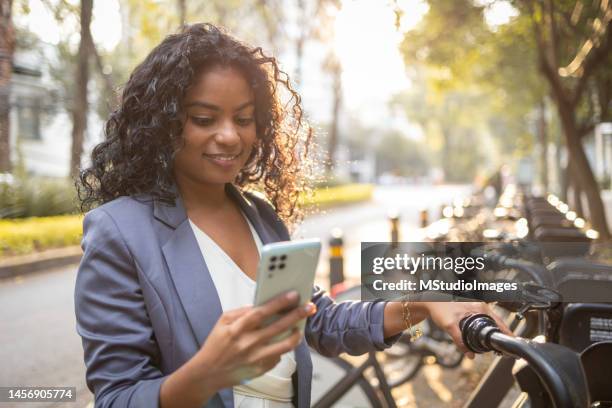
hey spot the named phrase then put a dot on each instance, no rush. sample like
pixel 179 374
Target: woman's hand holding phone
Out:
pixel 240 347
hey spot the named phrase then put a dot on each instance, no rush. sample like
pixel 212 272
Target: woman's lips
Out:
pixel 224 160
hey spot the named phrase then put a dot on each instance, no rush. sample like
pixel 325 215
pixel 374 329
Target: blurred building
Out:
pixel 40 131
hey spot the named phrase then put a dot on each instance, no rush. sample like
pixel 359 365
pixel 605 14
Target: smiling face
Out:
pixel 219 129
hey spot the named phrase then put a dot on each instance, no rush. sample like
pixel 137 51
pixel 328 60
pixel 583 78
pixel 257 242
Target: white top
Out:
pixel 273 389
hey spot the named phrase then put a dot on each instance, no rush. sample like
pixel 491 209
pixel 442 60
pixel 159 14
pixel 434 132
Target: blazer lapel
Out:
pixel 188 271
pixel 250 210
pixel 191 277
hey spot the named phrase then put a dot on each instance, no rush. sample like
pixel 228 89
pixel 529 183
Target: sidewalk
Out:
pixel 39 261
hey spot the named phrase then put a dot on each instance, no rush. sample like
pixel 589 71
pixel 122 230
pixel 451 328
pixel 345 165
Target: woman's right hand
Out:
pixel 239 348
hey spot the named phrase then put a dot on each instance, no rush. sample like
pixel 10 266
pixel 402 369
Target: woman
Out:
pixel 170 255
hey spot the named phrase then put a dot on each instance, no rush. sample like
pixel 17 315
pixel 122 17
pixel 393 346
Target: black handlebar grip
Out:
pixel 462 322
pixel 475 330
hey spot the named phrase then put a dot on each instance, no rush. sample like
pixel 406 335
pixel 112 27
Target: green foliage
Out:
pixel 454 122
pixel 30 197
pixel 401 156
pixel 475 82
pixel 449 40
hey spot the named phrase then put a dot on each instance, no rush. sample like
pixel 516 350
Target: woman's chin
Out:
pixel 220 178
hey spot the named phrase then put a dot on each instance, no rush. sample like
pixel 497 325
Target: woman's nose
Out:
pixel 227 133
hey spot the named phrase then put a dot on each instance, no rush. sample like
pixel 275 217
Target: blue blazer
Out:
pixel 145 302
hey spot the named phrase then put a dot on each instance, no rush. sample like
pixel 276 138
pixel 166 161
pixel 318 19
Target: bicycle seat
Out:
pixel 598 371
pixel 580 280
pixel 560 234
pixel 566 367
pixel 584 324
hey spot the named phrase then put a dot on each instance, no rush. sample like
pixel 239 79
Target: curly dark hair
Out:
pixel 143 134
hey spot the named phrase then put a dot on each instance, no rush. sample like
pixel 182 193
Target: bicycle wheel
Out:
pixel 399 362
pixel 326 372
pixel 447 354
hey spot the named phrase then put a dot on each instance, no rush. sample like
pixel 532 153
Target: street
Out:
pixel 40 346
pixel 369 221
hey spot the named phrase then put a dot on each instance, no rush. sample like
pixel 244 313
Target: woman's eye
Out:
pixel 202 121
pixel 244 121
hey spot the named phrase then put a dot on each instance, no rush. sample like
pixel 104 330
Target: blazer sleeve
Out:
pixel 121 353
pixel 348 327
pixel 351 327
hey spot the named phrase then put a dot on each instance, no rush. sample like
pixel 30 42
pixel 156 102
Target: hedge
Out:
pixel 338 195
pixel 25 235
pixel 21 236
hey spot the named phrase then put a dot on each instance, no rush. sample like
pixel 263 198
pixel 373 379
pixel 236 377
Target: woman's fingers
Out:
pixel 501 323
pixel 287 321
pixel 278 348
pixel 283 324
pixel 485 309
pixel 455 334
pixel 257 315
pixel 449 315
pixel 232 315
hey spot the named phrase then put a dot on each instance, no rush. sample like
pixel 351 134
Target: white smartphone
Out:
pixel 286 266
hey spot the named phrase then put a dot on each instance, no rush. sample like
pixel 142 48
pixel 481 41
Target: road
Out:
pixel 37 326
pixel 40 346
pixel 369 222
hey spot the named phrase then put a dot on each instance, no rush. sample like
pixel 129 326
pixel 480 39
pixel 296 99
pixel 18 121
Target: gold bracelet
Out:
pixel 408 321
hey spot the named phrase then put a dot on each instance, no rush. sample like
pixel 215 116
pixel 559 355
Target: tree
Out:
pixel 80 104
pixel 448 99
pixel 454 122
pixel 182 11
pixel 401 156
pixel 562 44
pixel 574 40
pixel 7 46
pixel 332 65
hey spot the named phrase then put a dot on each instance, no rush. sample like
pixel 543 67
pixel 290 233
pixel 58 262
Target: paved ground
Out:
pixel 37 333
pixel 37 325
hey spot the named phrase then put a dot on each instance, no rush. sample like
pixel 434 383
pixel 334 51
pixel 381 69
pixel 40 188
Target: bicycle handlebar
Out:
pixel 557 367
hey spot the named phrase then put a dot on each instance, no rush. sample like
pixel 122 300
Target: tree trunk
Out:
pixel 299 45
pixel 543 140
pixel 575 200
pixel 80 103
pixel 565 182
pixel 577 204
pixel 447 162
pixel 7 46
pixel 336 71
pixel 581 170
pixel 182 12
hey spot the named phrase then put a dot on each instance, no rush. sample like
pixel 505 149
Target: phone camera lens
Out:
pixel 273 259
pixel 283 257
pixel 272 267
pixel 281 266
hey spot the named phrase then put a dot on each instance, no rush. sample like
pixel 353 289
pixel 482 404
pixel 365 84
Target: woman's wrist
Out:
pixel 189 386
pixel 394 316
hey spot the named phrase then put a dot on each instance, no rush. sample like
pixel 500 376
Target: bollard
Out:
pixel 424 217
pixel 336 258
pixel 394 219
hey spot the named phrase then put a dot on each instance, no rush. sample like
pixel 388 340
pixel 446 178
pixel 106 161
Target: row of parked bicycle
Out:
pixel 561 316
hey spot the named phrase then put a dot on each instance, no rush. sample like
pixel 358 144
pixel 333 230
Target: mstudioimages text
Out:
pixel 440 285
